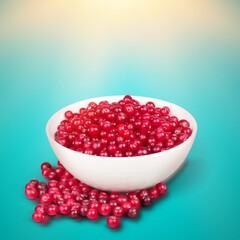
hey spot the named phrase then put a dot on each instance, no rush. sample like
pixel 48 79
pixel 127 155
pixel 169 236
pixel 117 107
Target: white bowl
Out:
pixel 122 173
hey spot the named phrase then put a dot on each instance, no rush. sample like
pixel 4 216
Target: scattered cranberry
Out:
pixel 147 201
pixel 52 209
pixel 113 222
pixel 92 213
pixel 105 209
pixel 66 195
pixel 31 193
pixel 162 188
pixel 133 212
pixel 118 211
pixel 37 217
pixel 121 129
pixel 40 208
pixel 46 199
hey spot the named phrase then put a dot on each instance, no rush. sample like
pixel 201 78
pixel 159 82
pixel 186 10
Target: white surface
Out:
pixel 125 173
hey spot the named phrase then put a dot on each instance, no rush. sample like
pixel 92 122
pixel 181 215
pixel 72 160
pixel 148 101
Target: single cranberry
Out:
pixel 169 143
pixel 68 114
pixel 112 149
pixel 114 195
pixel 53 190
pixel 46 199
pixel 67 196
pixel 94 192
pixel 113 222
pixel 75 210
pixel 131 195
pixel 94 130
pixel 126 206
pixel 122 199
pixel 52 183
pixel 129 109
pixel 104 209
pixel 52 175
pixel 31 193
pixel 127 98
pixel 96 146
pixel 142 194
pixel 94 204
pixel 37 217
pixel 113 203
pixel 34 182
pixel 161 136
pixel 64 208
pixel 92 213
pixel 164 111
pixel 153 193
pixel 183 123
pixel 52 209
pixel 118 211
pixel 73 182
pixel 103 199
pixel 182 137
pixel 46 165
pixel 46 172
pixel 135 202
pixel 133 212
pixel 83 210
pixel 162 188
pixel 40 208
pixel 147 201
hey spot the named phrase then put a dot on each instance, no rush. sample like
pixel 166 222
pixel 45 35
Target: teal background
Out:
pixel 37 79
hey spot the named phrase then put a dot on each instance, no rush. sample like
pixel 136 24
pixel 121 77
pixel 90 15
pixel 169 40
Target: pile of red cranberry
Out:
pixel 122 129
pixel 65 195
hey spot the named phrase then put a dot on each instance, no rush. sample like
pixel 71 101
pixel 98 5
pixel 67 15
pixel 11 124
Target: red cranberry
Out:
pixel 105 209
pixel 129 109
pixel 94 204
pixel 83 210
pixel 64 209
pixel 135 202
pixel 46 199
pixel 147 201
pixel 68 114
pixel 113 203
pixel 37 217
pixel 75 210
pixel 162 188
pixel 118 211
pixel 40 208
pixel 94 130
pixel 113 222
pixel 126 206
pixel 92 213
pixel 52 209
pixel 122 199
pixel 133 212
pixel 31 193
pixel 46 165
pixel 46 172
pixel 154 193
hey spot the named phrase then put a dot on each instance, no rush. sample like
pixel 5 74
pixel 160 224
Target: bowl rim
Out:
pixel 98 99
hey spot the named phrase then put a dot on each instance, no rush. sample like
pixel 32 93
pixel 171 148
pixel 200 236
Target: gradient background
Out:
pixel 53 53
